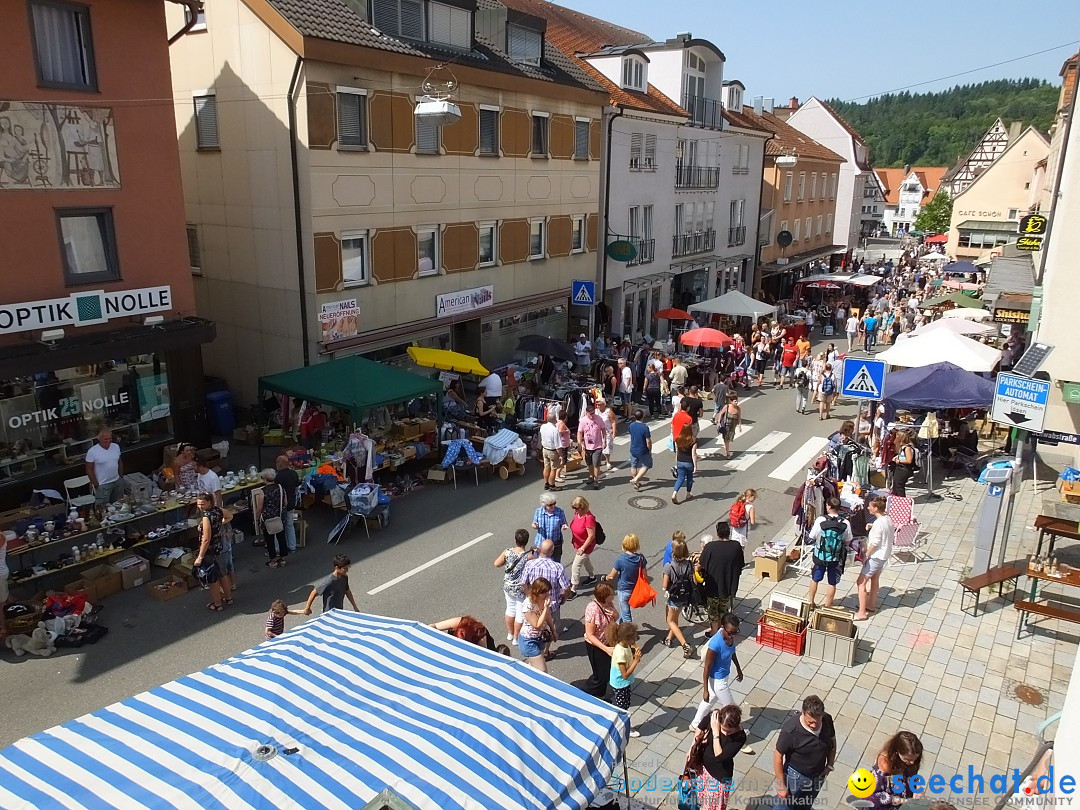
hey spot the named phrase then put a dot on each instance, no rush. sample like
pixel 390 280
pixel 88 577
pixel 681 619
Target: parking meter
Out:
pixel 986 528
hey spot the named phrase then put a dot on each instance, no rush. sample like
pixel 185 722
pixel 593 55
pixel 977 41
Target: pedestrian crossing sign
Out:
pixel 863 379
pixel 583 293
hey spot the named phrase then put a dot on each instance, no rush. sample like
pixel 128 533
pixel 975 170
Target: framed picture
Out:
pixel 831 620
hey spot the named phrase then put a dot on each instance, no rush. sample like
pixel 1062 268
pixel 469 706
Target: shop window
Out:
pixel 537 239
pixel 540 125
pixel 577 234
pixel 87 245
pixel 488 247
pixel 206 122
pixel 352 129
pixel 489 131
pixel 63 45
pixel 427 241
pixel 355 259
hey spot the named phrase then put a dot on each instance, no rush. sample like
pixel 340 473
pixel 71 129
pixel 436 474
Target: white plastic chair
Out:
pixel 77 484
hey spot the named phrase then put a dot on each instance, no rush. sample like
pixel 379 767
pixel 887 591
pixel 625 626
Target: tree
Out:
pixel 936 214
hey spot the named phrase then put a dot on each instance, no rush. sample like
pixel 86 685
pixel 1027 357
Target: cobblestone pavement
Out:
pixel 921 665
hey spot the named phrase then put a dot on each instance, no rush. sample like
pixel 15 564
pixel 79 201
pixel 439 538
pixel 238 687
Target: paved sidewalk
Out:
pixel 921 666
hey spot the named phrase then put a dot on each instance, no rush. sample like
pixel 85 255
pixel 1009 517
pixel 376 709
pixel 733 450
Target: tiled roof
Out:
pixel 787 139
pixel 892 179
pixel 336 21
pixel 737 119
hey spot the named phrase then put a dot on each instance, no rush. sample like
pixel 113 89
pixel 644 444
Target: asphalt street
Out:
pixel 433 561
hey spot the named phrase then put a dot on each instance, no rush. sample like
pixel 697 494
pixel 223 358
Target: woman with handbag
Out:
pixel 903 464
pixel 626 570
pixel 599 614
pixel 207 568
pixel 538 626
pixel 728 420
pixel 719 738
pixel 268 505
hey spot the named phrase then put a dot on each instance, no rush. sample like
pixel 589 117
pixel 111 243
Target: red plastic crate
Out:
pixel 780 639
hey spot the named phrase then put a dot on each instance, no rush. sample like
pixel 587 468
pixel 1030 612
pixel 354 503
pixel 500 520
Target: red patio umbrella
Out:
pixel 673 314
pixel 711 338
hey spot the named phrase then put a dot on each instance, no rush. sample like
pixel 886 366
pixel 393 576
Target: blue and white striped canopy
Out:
pixel 368 703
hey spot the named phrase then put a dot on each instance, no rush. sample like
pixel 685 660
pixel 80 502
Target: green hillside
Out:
pixel 935 129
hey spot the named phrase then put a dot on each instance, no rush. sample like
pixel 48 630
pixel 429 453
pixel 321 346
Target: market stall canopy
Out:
pixel 969 314
pixel 952 284
pixel 351 383
pixel 929 348
pixel 446 360
pixel 936 387
pixel 824 285
pixel 960 267
pixel 549 346
pixel 736 304
pixel 938 239
pixel 348 705
pixel 934 257
pixel 837 277
pixel 864 280
pixel 955 298
pixel 712 338
pixel 957 325
pixel 673 314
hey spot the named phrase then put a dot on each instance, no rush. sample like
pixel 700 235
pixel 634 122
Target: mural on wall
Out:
pixel 57 146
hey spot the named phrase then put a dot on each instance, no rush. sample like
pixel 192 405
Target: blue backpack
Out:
pixel 830 545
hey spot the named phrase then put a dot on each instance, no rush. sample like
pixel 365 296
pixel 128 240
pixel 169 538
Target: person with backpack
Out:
pixel 743 516
pixel 720 566
pixel 827 388
pixel 802 388
pixel 678 587
pixel 831 535
pixel 586 535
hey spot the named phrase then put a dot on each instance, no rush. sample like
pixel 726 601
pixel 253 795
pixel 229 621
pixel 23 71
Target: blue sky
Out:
pixel 846 49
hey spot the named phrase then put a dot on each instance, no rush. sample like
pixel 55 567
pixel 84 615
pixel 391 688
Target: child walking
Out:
pixel 625 658
pixel 275 619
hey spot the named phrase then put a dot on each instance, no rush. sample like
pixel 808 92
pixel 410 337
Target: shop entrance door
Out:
pixel 466 337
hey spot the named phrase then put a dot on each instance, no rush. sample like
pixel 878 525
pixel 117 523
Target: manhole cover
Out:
pixel 1028 694
pixel 647 502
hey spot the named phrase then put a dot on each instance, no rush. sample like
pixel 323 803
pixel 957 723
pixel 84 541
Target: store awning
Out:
pixel 331 714
pixel 839 278
pixel 799 259
pixel 351 383
pixel 984 225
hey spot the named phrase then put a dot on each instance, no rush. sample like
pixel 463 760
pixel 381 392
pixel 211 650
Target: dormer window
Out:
pixel 399 18
pixel 634 75
pixel 524 44
pixel 448 25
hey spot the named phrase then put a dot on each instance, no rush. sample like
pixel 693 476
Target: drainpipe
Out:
pixel 301 270
pixel 193 8
pixel 607 208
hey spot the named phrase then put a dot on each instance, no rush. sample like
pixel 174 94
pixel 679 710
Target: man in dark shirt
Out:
pixel 693 405
pixel 333 588
pixel 640 448
pixel 720 565
pixel 290 482
pixel 804 755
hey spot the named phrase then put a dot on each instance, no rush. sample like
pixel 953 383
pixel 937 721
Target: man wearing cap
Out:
pixel 583 353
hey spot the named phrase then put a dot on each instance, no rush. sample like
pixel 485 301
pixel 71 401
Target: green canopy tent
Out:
pixel 353 384
pixel 956 298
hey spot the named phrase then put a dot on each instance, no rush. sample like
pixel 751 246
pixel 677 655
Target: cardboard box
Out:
pixel 186 572
pixel 301 532
pixel 134 571
pixel 428 426
pixel 770 567
pixel 438 474
pixel 1070 491
pixel 167 588
pixel 102 581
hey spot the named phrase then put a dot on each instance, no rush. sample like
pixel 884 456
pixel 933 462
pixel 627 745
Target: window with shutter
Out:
pixel 636 141
pixel 649 157
pixel 351 119
pixel 206 123
pixel 63 48
pixel 384 16
pixel 412 19
pixel 489 132
pixel 523 44
pixel 427 137
pixel 448 25
pixel 539 135
pixel 581 140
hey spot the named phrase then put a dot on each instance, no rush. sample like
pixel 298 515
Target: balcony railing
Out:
pixel 697 177
pixel 736 236
pixel 646 251
pixel 707 113
pixel 740 170
pixel 687 243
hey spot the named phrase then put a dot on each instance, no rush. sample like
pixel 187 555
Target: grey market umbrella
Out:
pixel 552 347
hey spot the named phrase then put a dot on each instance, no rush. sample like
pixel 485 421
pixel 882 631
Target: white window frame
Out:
pixel 802 187
pixel 809 228
pixel 436 262
pixel 1014 213
pixel 546 116
pixel 813 185
pixel 542 222
pixel 634 73
pixel 832 186
pixel 209 98
pixel 828 223
pixel 577 233
pixel 578 121
pixel 488 108
pixel 795 233
pixel 362 94
pixel 818 223
pixel 420 121
pixel 480 228
pixel 365 257
pixel 789 179
pixel 633 222
pixel 455 25
pixel 194 249
pixel 637 148
pixel 648 154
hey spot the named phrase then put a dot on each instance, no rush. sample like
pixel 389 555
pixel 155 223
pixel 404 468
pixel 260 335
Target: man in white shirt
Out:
pixel 105 469
pixel 626 386
pixel 208 481
pixel 852 330
pixel 678 375
pixel 583 354
pixel 492 387
pixel 551 450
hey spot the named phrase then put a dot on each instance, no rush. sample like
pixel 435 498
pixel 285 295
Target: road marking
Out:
pixel 800 459
pixel 748 457
pixel 429 563
pixel 717 449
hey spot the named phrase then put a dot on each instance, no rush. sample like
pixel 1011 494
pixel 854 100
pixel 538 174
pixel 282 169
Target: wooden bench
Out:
pixel 1043 609
pixel 994 576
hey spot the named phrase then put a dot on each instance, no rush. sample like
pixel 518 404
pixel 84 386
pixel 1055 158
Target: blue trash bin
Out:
pixel 219 413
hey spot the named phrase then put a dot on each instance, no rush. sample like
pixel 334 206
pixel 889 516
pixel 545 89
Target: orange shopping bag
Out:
pixel 643 593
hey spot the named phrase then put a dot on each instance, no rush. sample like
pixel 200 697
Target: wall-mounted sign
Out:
pixel 339 319
pixel 1070 392
pixel 83 309
pixel 1032 225
pixel 980 214
pixel 622 250
pixel 464 301
pixel 1011 316
pixel 1029 243
pixel 68 407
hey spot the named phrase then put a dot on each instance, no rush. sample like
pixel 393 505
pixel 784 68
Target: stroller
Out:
pixel 695 611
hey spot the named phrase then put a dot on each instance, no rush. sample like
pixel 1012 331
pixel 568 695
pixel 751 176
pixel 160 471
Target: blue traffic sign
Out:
pixel 863 379
pixel 1020 401
pixel 583 293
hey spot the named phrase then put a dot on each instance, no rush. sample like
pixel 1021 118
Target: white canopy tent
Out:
pixel 839 278
pixel 959 326
pixel 969 314
pixel 736 304
pixel 864 280
pixel 938 345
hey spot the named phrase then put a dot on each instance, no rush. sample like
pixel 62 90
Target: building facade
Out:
pixel 986 213
pixel 97 311
pixel 799 189
pixel 990 147
pixel 907 190
pixel 332 220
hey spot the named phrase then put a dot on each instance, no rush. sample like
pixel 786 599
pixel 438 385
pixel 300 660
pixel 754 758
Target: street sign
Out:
pixel 622 250
pixel 583 293
pixel 1020 402
pixel 1029 243
pixel 1056 437
pixel 1032 225
pixel 863 379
